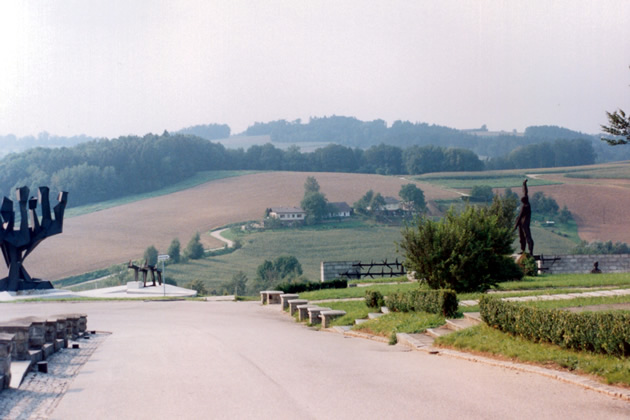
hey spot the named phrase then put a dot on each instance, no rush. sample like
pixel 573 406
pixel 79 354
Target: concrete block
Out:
pixel 293 304
pixel 313 314
pixel 328 316
pixel 285 298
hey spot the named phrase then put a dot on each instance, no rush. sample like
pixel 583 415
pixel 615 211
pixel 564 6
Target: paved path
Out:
pixel 227 360
pixel 217 234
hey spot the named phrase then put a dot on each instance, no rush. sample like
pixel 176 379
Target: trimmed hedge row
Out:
pixel 310 286
pixel 599 332
pixel 442 301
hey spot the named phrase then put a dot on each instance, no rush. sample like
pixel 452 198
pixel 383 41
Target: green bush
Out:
pixel 374 299
pixel 310 286
pixel 465 252
pixel 443 302
pixel 598 332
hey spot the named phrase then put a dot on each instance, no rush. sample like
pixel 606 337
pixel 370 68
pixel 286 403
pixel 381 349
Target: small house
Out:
pixel 339 209
pixel 287 214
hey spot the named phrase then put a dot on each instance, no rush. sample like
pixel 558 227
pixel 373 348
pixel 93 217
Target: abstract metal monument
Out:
pixel 145 270
pixel 17 244
pixel 394 269
pixel 522 222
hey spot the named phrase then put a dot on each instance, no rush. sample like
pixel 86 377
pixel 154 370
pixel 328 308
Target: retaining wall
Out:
pixel 331 270
pixel 572 264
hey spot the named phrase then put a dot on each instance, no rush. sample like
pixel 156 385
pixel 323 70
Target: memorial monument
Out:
pixel 17 244
pixel 522 222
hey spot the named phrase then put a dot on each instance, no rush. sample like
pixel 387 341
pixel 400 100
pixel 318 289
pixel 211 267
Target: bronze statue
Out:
pixel 522 222
pixel 17 244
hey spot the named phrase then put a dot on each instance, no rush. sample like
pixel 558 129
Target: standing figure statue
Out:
pixel 522 222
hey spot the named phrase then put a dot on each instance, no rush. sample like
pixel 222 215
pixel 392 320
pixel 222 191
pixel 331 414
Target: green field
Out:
pixel 471 179
pixel 621 171
pixel 336 242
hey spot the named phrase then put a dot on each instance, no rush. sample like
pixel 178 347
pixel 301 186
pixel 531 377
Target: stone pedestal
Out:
pixel 7 342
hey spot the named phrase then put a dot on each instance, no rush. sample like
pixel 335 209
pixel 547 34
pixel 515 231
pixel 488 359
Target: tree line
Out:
pixel 105 169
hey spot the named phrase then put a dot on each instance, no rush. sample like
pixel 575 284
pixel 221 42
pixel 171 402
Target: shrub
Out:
pixel 527 264
pixel 598 332
pixel 443 302
pixel 466 252
pixel 374 299
pixel 310 286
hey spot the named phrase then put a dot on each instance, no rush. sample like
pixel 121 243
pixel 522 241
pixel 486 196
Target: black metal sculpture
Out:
pixel 394 269
pixel 145 270
pixel 522 222
pixel 17 244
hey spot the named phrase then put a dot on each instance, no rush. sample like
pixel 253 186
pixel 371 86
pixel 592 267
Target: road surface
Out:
pixel 239 360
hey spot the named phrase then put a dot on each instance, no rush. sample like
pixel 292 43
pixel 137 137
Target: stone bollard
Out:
pixel 313 315
pixel 37 331
pixel 303 311
pixel 286 298
pixel 20 330
pixel 293 304
pixel 7 342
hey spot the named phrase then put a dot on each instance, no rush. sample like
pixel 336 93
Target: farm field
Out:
pixel 114 235
pixel 310 246
pixel 118 234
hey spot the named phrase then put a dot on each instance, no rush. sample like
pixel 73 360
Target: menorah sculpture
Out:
pixel 17 244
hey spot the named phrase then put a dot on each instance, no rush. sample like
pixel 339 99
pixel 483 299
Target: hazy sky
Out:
pixel 118 67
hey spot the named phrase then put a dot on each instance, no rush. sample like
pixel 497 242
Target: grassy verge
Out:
pixel 489 341
pixel 400 322
pixel 578 302
pixel 377 280
pixel 354 310
pixel 356 292
pixel 567 280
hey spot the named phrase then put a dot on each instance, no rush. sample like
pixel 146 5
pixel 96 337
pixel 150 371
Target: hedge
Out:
pixel 374 299
pixel 598 332
pixel 310 286
pixel 442 301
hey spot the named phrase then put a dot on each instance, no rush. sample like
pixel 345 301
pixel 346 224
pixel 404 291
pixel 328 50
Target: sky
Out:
pixel 108 68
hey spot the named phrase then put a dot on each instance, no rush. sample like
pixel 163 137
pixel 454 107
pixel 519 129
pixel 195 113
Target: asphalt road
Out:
pixel 225 360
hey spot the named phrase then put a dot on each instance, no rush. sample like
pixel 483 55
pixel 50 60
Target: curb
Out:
pixel 567 377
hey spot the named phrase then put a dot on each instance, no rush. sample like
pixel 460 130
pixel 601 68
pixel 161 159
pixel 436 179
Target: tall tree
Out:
pixel 413 197
pixel 194 249
pixel 174 250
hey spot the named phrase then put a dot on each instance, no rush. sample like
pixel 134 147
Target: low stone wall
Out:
pixel 331 270
pixel 574 264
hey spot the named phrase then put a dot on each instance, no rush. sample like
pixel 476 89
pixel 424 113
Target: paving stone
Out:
pixel 39 393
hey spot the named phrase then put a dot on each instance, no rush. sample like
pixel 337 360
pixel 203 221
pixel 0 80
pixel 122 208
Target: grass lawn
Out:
pixel 343 241
pixel 400 322
pixel 357 292
pixel 491 179
pixel 556 281
pixel 489 341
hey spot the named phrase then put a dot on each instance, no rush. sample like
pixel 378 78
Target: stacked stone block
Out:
pixel 331 270
pixel 7 342
pixel 574 264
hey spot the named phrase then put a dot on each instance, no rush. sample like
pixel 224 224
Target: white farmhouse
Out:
pixel 287 214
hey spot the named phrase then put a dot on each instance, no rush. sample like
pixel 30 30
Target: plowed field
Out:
pixel 115 235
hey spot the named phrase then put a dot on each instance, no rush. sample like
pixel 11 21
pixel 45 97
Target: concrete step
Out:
pixel 19 369
pixel 459 324
pixel 384 309
pixel 474 317
pixel 360 321
pixel 374 315
pixel 438 332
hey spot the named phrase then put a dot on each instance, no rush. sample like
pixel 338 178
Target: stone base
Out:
pixel 36 284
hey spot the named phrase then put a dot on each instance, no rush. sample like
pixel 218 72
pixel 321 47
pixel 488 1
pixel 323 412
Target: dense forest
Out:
pixel 105 169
